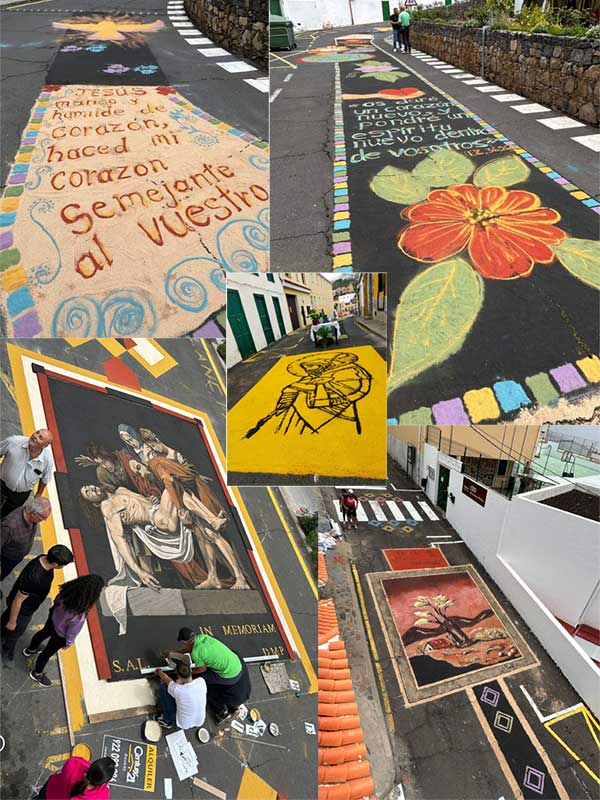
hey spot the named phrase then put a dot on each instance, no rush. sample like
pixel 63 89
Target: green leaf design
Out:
pixel 504 171
pixel 436 312
pixel 399 186
pixel 582 258
pixel 444 168
pixel 386 77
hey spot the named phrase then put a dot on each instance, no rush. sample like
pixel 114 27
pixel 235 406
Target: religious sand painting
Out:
pixel 124 208
pixel 445 631
pixel 320 413
pixel 486 248
pixel 143 497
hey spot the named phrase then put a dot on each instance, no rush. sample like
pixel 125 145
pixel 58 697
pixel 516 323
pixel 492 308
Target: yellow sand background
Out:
pixel 131 131
pixel 337 450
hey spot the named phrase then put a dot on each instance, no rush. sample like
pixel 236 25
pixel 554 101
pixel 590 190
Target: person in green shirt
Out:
pixel 404 20
pixel 225 674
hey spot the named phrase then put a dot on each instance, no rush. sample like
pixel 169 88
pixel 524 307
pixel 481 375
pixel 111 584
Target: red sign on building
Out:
pixel 474 491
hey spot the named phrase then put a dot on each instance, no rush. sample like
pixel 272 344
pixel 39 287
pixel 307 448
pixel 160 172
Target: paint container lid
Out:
pixel 151 731
pixel 254 714
pixel 274 729
pixel 203 735
pixel 82 750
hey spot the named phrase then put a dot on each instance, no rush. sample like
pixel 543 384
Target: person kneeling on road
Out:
pixel 222 669
pixel 182 699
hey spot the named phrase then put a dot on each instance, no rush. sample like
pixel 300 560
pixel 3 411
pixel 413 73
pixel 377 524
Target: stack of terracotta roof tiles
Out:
pixel 344 772
pixel 322 576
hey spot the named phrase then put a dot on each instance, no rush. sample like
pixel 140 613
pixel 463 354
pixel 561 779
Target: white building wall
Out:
pixel 556 553
pixel 247 285
pixel 312 15
pixel 483 529
pixel 430 459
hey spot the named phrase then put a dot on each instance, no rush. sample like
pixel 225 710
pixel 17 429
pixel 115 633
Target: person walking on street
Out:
pixel 66 618
pixel 183 699
pixel 18 531
pixel 26 461
pixel 80 779
pixel 28 593
pixel 394 21
pixel 404 20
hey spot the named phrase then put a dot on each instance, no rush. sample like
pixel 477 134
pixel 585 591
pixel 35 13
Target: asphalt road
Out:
pixel 302 96
pixel 33 713
pixel 440 752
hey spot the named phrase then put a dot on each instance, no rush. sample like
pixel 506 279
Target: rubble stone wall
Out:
pixel 561 72
pixel 239 26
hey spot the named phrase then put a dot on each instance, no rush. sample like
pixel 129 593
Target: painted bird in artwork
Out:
pixel 108 29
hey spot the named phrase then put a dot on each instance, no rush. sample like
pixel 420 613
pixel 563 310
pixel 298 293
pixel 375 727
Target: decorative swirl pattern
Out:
pixel 39 171
pixel 259 161
pixel 77 317
pixel 264 216
pixel 41 154
pixel 45 273
pixel 204 139
pixel 125 314
pixel 240 259
pixel 217 276
pixel 122 313
pixel 186 289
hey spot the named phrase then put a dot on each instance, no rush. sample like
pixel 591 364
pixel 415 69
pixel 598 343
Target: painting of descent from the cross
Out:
pixel 143 497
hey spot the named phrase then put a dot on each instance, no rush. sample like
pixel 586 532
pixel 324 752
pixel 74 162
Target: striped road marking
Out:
pixel 395 509
pixel 428 511
pixel 377 510
pixel 412 511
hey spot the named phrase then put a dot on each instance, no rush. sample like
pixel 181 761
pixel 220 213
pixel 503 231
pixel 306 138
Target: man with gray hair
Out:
pixel 18 530
pixel 26 461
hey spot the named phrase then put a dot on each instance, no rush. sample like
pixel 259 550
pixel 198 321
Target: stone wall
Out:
pixel 239 26
pixel 561 72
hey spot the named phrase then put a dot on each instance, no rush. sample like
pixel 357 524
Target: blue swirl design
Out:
pixel 259 161
pixel 122 313
pixel 264 216
pixel 186 289
pixel 125 314
pixel 77 317
pixel 217 276
pixel 39 171
pixel 45 273
pixel 239 259
pixel 41 155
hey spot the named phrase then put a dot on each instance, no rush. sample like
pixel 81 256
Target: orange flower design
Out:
pixel 506 232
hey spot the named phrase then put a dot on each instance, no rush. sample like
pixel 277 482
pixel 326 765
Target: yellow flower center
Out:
pixel 480 216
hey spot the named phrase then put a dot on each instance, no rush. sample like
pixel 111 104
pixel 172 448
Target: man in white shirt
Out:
pixel 183 700
pixel 25 463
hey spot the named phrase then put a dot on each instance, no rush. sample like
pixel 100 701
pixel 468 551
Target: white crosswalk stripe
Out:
pixel 428 511
pixel 395 509
pixel 412 510
pixel 391 511
pixel 377 510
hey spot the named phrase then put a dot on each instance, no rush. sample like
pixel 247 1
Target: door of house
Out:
pixel 261 307
pixel 293 309
pixel 279 315
pixel 239 324
pixel 275 7
pixel 385 9
pixel 444 480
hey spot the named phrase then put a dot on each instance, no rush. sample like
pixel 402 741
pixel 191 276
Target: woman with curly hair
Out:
pixel 67 616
